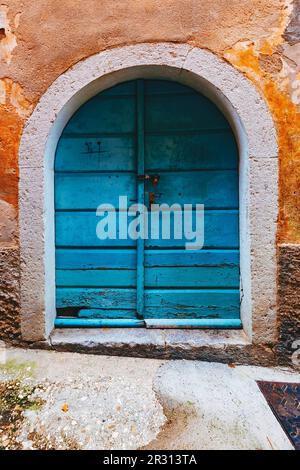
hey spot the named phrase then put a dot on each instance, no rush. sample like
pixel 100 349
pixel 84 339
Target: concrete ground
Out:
pixel 57 400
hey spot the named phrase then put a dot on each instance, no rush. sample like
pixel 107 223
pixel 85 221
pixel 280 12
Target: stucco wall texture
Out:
pixel 40 40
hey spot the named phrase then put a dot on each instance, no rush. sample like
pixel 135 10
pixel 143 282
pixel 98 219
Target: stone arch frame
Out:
pixel 255 133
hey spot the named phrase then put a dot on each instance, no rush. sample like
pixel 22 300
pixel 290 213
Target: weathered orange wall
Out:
pixel 39 40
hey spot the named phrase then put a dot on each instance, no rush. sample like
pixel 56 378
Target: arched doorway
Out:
pixel 150 142
pixel 255 133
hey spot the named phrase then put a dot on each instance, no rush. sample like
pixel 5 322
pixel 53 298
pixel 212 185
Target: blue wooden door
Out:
pixel 154 142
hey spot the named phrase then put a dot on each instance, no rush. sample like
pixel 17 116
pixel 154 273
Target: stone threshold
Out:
pixel 206 345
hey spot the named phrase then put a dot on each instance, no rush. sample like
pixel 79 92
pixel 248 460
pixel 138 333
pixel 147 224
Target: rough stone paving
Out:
pixel 58 400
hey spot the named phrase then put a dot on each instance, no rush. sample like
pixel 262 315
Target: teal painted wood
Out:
pixel 212 188
pixel 97 323
pixel 126 258
pixel 84 153
pixel 182 113
pixel 95 189
pixel 166 87
pixel 188 142
pixel 203 258
pixel 65 322
pixel 95 259
pixel 192 151
pixel 79 229
pixel 96 277
pixel 179 303
pixel 129 314
pixel 109 116
pixel 157 323
pixel 212 277
pixel 125 88
pixel 174 303
pixel 154 277
pixel 215 323
pixel 215 189
pixel 105 298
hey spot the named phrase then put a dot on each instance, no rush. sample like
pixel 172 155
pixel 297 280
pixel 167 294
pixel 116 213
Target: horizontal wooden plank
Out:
pixel 192 303
pixel 214 189
pixel 109 115
pixel 87 191
pixel 189 258
pixel 79 229
pixel 220 231
pixel 192 323
pixel 191 277
pixel 216 277
pixel 126 258
pixel 182 112
pixel 162 152
pixel 96 154
pixel 215 323
pixel 164 303
pixel 112 313
pixel 190 152
pixel 95 258
pixel 64 322
pixel 105 298
pixel 96 277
